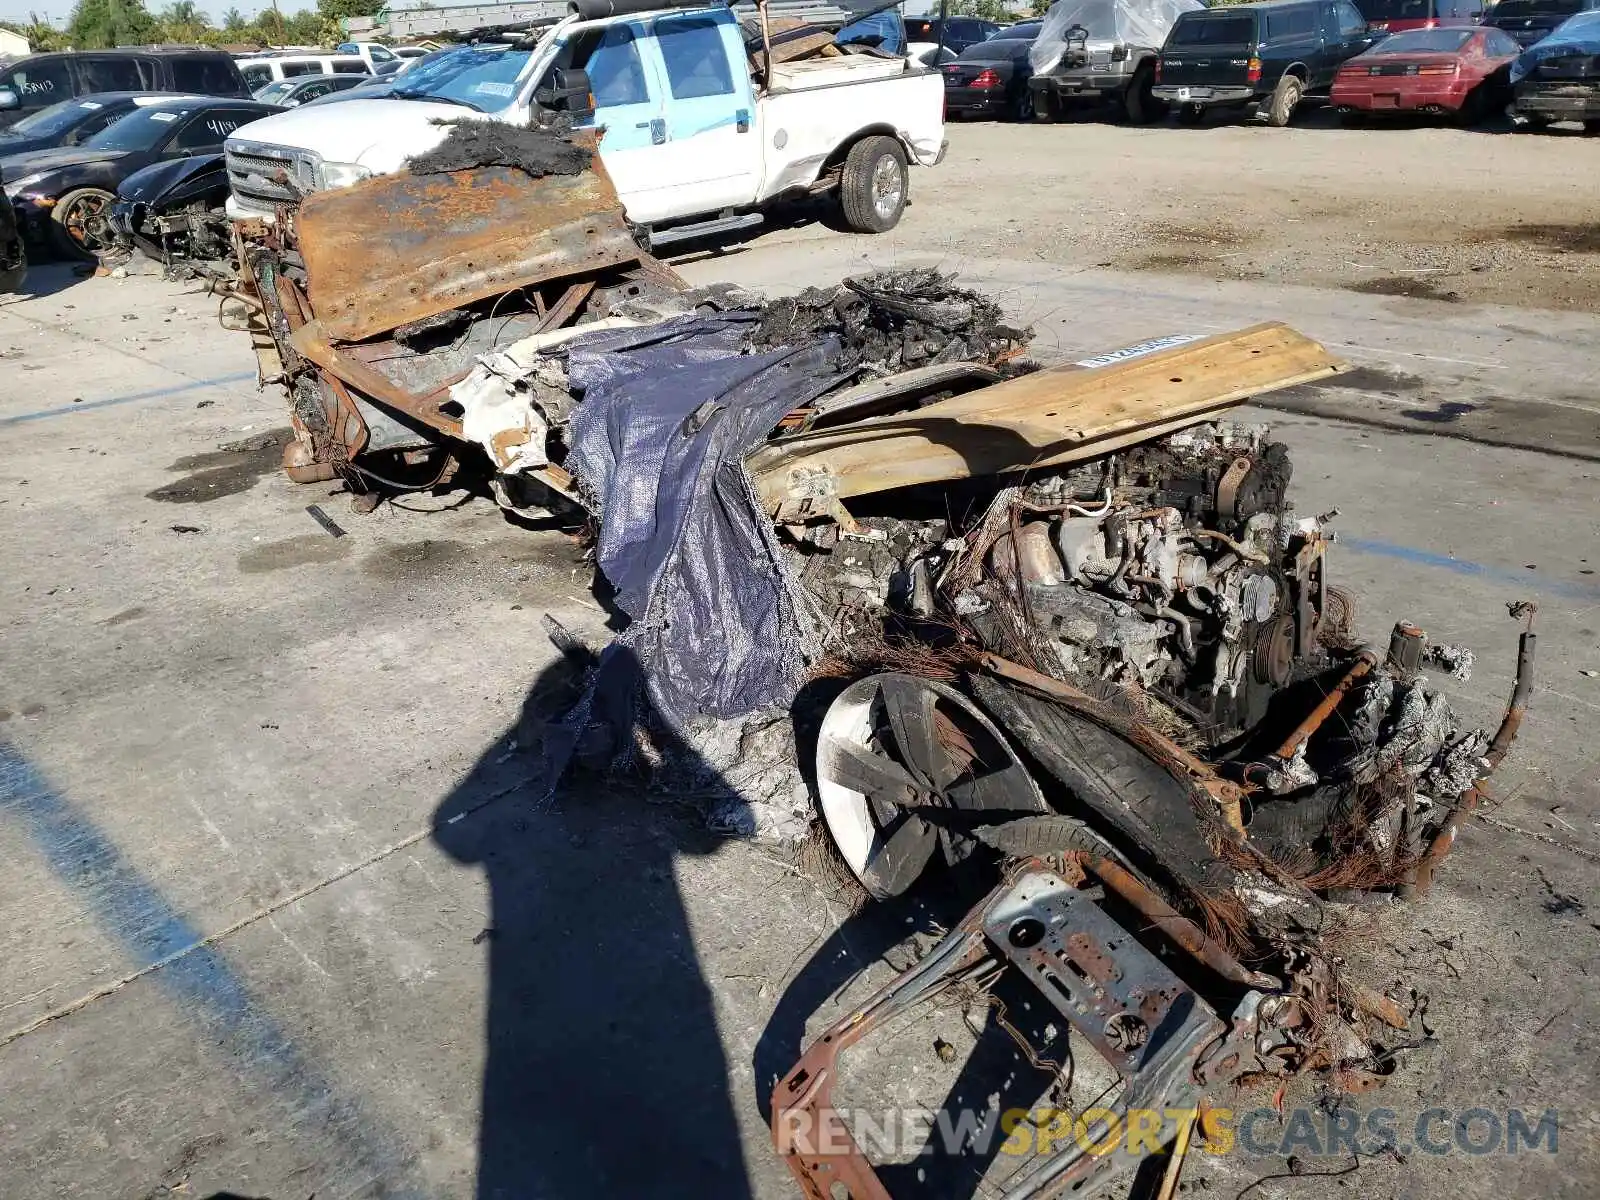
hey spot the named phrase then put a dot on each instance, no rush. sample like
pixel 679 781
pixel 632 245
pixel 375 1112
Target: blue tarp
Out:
pixel 1577 35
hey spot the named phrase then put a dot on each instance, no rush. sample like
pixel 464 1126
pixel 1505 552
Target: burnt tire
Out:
pixel 1123 794
pixel 1285 99
pixel 874 185
pixel 1139 105
pixel 78 223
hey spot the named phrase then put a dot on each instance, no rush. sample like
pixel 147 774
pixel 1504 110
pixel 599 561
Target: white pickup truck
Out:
pixel 692 143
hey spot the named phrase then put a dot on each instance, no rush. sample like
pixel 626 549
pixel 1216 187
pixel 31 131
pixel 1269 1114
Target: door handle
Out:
pixel 658 132
pixel 742 120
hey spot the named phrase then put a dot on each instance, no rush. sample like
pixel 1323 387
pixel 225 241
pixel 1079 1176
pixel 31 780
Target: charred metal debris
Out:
pixel 1065 618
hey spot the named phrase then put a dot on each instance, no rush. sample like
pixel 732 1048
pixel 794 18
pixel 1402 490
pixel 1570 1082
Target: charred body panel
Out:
pixel 173 212
pixel 1170 1044
pixel 401 248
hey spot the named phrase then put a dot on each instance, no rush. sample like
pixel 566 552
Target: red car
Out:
pixel 1461 71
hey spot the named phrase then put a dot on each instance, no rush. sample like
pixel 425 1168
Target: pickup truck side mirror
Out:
pixel 567 91
pixel 9 99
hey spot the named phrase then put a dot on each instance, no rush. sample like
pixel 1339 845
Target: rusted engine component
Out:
pixel 399 248
pixel 1499 746
pixel 1176 566
pixel 1168 1043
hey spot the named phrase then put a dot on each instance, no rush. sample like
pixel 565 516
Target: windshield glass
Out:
pixel 58 118
pixel 1213 31
pixel 274 93
pixel 481 77
pixel 142 129
pixel 1536 8
pixel 1425 41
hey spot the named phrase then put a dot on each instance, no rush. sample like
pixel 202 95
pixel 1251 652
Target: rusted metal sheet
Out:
pixel 399 248
pixel 311 341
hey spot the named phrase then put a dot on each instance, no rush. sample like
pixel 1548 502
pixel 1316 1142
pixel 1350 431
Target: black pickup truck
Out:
pixel 1267 56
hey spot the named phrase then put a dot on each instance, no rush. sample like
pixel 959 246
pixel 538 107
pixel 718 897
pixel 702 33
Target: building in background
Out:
pixel 12 45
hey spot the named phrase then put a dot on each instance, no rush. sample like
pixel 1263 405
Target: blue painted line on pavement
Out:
pixel 130 398
pixel 133 912
pixel 1524 581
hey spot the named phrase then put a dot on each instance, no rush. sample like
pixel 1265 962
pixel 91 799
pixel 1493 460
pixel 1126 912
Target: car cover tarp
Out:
pixel 718 626
pixel 1574 37
pixel 1131 22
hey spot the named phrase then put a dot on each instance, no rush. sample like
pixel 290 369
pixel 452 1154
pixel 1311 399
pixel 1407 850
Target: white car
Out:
pixel 687 137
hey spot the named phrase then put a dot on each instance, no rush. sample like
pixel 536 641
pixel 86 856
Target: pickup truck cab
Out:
pixel 690 142
pixel 1269 56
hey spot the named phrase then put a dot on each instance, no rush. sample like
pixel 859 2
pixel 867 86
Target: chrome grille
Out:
pixel 263 177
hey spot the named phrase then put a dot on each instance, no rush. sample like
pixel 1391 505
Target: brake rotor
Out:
pixel 893 751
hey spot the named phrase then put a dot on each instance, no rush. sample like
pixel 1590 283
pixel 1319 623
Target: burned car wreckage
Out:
pixel 1074 621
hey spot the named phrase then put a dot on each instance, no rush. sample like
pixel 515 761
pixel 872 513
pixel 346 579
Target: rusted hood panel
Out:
pixel 399 248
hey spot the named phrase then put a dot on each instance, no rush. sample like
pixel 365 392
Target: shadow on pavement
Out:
pixel 604 1072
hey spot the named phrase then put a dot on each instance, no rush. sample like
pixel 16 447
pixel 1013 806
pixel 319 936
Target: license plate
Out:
pixel 1183 94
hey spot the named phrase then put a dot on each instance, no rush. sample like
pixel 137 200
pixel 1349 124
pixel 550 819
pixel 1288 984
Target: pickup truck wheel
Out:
pixel 78 223
pixel 1140 106
pixel 1284 99
pixel 873 187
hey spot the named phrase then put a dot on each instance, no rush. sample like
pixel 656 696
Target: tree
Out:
pixel 234 23
pixel 182 21
pixel 341 10
pixel 304 28
pixel 985 10
pixel 102 24
pixel 272 27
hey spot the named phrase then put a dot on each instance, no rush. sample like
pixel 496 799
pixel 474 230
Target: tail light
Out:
pixel 1438 69
pixel 1253 71
pixel 1158 71
pixel 985 79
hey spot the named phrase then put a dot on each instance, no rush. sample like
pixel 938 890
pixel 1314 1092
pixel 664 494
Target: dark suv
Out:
pixel 1269 56
pixel 40 80
pixel 1530 21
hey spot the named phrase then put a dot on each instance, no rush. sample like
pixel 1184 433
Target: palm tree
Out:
pixel 233 21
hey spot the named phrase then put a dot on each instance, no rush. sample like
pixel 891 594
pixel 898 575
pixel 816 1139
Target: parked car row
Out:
pixel 60 192
pixel 1145 59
